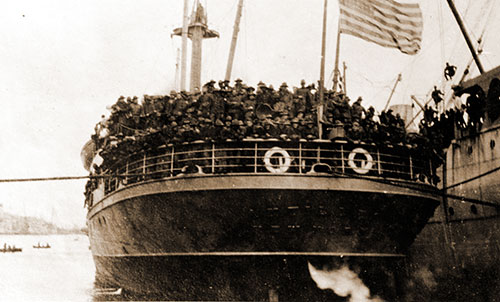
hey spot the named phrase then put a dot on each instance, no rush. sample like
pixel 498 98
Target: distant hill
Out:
pixel 14 224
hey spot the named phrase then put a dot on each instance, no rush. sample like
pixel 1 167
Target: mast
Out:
pixel 184 35
pixel 197 31
pixel 344 80
pixel 392 91
pixel 336 68
pixel 322 72
pixel 232 50
pixel 466 35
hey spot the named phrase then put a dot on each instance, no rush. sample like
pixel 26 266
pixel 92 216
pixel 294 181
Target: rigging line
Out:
pixel 441 31
pixel 423 190
pixel 34 179
pixel 472 178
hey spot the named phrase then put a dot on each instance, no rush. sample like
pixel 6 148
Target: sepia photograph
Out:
pixel 263 150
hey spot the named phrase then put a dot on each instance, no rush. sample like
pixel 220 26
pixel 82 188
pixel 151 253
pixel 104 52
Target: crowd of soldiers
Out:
pixel 234 113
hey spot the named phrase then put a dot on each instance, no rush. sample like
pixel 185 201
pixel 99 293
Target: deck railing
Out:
pixel 269 156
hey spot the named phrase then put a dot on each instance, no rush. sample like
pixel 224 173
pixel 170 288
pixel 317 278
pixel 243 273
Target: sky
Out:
pixel 62 62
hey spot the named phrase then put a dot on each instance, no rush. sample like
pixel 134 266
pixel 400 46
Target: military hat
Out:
pixel 295 120
pixel 284 84
pixel 235 122
pixel 174 124
pixel 359 99
pixel 238 80
pixel 121 97
pixel 250 88
pixel 240 123
pixel 218 122
pixel 186 121
pixel 287 122
pixel 261 84
pixel 228 118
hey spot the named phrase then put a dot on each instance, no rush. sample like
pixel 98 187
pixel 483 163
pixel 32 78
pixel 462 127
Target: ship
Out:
pixel 243 219
pixel 459 249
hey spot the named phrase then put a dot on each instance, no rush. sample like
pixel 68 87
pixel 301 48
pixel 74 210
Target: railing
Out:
pixel 270 156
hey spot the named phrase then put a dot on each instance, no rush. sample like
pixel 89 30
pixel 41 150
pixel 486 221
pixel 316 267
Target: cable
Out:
pixel 473 178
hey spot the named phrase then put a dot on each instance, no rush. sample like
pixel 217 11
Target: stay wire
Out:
pixel 344 175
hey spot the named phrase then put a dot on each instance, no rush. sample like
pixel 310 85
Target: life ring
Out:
pixel 365 164
pixel 283 166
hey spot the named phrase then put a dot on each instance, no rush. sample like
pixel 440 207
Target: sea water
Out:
pixel 64 272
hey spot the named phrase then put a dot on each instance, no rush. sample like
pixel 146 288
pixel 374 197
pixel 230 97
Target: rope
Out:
pixel 6 180
pixel 383 181
pixel 423 190
pixel 473 178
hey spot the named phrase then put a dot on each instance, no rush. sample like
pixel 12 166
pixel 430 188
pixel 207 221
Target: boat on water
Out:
pixel 38 246
pixel 10 249
pixel 199 218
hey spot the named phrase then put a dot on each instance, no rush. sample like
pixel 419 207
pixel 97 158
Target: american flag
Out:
pixel 385 22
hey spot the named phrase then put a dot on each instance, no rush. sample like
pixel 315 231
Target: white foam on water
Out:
pixel 343 282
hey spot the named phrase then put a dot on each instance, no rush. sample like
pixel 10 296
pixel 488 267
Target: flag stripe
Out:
pixel 370 9
pixel 385 22
pixel 387 36
pixel 408 48
pixel 395 8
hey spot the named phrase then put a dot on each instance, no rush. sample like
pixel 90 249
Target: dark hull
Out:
pixel 197 235
pixel 459 249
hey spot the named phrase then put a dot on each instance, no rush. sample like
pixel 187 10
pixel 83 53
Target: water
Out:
pixel 65 272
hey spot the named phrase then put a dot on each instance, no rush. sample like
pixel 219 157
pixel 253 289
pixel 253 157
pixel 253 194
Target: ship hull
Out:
pixel 195 235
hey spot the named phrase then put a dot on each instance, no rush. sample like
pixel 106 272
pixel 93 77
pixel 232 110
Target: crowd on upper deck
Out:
pixel 238 112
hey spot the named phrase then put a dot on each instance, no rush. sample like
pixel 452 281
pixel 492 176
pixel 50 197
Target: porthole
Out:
pixel 451 211
pixel 469 150
pixel 473 209
pixel 492 144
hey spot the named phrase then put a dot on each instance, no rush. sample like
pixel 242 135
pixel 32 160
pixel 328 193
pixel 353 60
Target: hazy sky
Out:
pixel 63 61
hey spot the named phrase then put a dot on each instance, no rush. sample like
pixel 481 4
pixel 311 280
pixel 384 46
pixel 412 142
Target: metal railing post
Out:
pixel 378 162
pixel 172 161
pixel 144 167
pixel 342 158
pixel 255 158
pixel 300 158
pixel 213 158
pixel 411 168
pixel 126 172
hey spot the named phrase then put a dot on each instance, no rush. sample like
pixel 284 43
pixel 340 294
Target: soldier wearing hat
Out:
pixel 357 110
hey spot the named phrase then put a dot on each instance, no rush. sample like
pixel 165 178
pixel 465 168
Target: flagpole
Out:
pixel 322 72
pixel 337 52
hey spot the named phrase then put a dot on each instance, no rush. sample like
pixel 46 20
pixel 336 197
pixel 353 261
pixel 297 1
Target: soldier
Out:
pixel 437 95
pixel 218 106
pixel 238 86
pixel 449 71
pixel 357 110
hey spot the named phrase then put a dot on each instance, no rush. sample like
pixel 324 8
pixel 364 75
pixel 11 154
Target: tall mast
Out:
pixel 184 35
pixel 232 50
pixel 392 91
pixel 322 72
pixel 197 31
pixel 466 35
pixel 336 68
